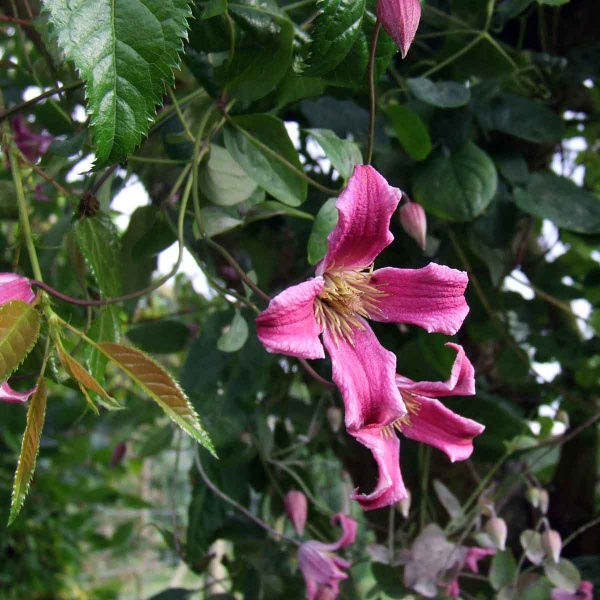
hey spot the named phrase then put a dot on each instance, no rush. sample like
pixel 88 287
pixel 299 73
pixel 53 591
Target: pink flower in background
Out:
pixel 14 287
pixel 296 509
pixel 39 194
pixel 322 570
pixel 344 294
pixel 585 591
pixel 32 145
pixel 474 555
pixel 400 18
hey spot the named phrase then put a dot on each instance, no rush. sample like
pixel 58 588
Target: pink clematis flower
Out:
pixel 428 421
pixel 322 570
pixel 32 145
pixel 400 18
pixel 14 287
pixel 585 591
pixel 336 303
pixel 474 555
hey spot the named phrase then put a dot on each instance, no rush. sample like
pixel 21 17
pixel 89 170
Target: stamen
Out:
pixel 412 406
pixel 346 296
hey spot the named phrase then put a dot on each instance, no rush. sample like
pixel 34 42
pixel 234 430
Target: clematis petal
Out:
pixel 474 555
pixel 432 297
pixel 438 426
pixel 365 208
pixel 400 18
pixel 288 324
pixel 386 452
pixel 7 394
pixel 349 527
pixel 460 383
pixel 364 371
pixel 15 287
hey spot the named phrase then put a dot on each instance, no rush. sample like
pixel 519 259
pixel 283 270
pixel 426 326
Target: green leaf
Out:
pixel 553 2
pixel 550 196
pixel 410 130
pixel 256 71
pixel 215 221
pixel 443 94
pixel 564 575
pixel 30 446
pixel 235 335
pixel 503 569
pixel 125 51
pixel 163 336
pixel 334 32
pixel 106 328
pixel 214 8
pixel 521 117
pixel 325 221
pixel 160 386
pixel 267 155
pixel 343 154
pixel 19 330
pixel 99 244
pixel 272 208
pixel 223 181
pixel 156 440
pixel 456 184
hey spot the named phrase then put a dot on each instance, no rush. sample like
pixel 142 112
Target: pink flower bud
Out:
pixel 414 222
pixel 544 501
pixel 118 454
pixel 496 529
pixel 296 509
pixel 552 544
pixel 334 418
pixel 400 18
pixel 15 287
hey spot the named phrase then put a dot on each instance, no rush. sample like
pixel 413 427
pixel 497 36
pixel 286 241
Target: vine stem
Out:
pixel 238 506
pixel 371 71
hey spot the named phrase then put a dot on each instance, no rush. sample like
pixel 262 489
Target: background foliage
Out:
pixel 490 123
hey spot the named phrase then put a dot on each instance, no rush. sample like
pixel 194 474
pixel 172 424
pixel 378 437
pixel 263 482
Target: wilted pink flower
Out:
pixel 584 592
pixel 32 145
pixel 322 570
pixel 7 394
pixel 296 509
pixel 345 292
pixel 414 222
pixel 14 287
pixel 400 18
pixel 474 555
pixel 428 421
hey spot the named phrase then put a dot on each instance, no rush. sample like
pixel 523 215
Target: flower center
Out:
pixel 345 296
pixel 412 407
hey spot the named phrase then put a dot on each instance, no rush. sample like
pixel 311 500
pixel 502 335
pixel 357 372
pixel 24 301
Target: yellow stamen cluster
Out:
pixel 412 407
pixel 346 296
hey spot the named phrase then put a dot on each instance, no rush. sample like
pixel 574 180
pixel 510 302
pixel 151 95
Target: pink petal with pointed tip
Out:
pixel 7 394
pixel 432 297
pixel 363 229
pixel 318 569
pixel 386 452
pixel 15 287
pixel 474 555
pixel 438 426
pixel 400 18
pixel 460 383
pixel 364 371
pixel 288 325
pixel 349 527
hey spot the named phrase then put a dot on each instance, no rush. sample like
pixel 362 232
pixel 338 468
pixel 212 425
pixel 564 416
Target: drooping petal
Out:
pixel 386 452
pixel 288 325
pixel 349 527
pixel 438 426
pixel 7 394
pixel 15 287
pixel 474 555
pixel 365 208
pixel 432 297
pixel 318 569
pixel 364 371
pixel 460 383
pixel 400 18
